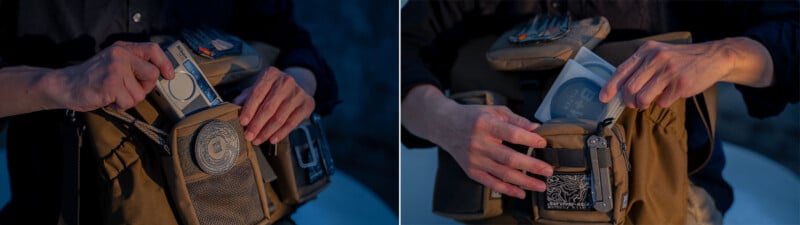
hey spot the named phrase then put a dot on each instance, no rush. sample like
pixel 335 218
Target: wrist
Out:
pixel 750 62
pixel 425 110
pixel 304 78
pixel 50 83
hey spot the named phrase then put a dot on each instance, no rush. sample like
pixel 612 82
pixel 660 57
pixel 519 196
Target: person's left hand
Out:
pixel 275 105
pixel 664 72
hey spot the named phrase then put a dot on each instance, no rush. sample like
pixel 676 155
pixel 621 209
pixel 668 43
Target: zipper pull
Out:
pixel 622 147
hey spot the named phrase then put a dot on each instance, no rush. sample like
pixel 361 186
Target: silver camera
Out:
pixel 189 91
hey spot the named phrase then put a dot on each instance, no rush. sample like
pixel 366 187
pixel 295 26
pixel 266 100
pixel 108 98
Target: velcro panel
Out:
pixel 563 157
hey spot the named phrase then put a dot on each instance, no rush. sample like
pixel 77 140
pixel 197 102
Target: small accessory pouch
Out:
pixel 591 172
pixel 511 53
pixel 303 162
pixel 213 173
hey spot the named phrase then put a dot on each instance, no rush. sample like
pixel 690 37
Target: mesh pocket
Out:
pixel 231 198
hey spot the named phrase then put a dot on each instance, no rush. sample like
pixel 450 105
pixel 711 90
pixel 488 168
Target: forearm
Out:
pixel 751 63
pixel 422 109
pixel 27 89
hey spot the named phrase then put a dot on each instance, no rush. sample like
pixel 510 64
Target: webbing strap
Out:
pixel 72 128
pixel 156 135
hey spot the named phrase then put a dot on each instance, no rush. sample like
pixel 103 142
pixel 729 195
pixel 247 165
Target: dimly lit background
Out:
pixel 358 38
pixel 776 137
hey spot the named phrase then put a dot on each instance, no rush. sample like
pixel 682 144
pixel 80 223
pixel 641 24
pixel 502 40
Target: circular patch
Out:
pixel 216 147
pixel 577 98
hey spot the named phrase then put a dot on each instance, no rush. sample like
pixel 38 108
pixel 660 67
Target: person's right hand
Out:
pixel 473 135
pixel 119 76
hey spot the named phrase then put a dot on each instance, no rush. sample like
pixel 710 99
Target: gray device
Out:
pixel 189 91
pixel 601 173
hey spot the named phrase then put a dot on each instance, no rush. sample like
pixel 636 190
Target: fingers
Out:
pixel 620 76
pixel 286 108
pixel 271 115
pixel 133 91
pixel 654 87
pixel 123 98
pixel 496 184
pixel 512 176
pixel 499 169
pixel 669 96
pixel 516 135
pixel 508 157
pixel 146 73
pixel 259 91
pixel 294 120
pixel 151 52
pixel 267 108
pixel 513 128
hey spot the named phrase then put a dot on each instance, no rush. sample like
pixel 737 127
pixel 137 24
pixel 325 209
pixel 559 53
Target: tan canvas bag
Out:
pixel 141 183
pixel 655 139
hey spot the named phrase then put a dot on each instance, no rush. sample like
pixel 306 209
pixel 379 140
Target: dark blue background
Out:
pixel 358 38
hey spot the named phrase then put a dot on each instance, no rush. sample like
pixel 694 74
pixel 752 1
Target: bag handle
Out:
pixel 706 105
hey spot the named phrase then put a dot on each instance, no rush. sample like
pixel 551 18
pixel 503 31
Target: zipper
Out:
pixel 623 147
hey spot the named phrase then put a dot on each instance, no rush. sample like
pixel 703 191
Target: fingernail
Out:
pixel 520 194
pixel 548 171
pixel 248 136
pixel 244 120
pixel 273 140
pixel 603 96
pixel 543 188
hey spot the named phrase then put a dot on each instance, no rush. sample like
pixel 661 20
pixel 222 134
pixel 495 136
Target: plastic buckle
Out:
pixel 309 145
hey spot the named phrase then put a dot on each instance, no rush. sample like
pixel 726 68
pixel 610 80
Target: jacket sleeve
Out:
pixel 431 34
pixel 777 30
pixel 278 27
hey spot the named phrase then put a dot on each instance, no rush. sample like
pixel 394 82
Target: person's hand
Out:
pixel 274 105
pixel 664 72
pixel 473 135
pixel 119 76
pixel 475 141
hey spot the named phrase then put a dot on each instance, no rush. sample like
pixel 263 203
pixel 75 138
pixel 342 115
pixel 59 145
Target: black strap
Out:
pixel 72 131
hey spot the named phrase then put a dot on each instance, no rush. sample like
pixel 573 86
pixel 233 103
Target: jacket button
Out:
pixel 137 17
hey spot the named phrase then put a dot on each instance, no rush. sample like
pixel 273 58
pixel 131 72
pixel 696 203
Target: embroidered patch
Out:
pixel 568 191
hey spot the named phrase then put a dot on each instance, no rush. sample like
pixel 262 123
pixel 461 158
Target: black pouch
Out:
pixel 303 162
pixel 455 195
